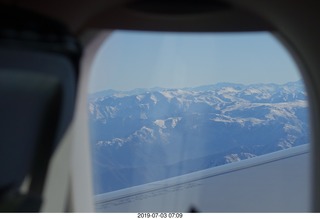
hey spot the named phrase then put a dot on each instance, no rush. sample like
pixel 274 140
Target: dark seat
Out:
pixel 38 65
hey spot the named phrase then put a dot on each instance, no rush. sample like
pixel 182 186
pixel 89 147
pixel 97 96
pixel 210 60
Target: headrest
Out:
pixel 38 72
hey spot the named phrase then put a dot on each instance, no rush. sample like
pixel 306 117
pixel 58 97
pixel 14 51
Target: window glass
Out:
pixel 163 105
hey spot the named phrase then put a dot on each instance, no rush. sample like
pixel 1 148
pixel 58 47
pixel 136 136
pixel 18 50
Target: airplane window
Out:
pixel 166 108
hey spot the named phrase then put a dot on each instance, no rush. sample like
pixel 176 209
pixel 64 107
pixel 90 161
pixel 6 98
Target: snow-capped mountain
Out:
pixel 148 135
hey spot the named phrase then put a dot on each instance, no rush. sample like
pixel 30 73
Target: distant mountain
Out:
pixel 111 92
pixel 147 135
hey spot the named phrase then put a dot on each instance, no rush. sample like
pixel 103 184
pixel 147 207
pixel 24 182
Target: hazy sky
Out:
pixel 129 60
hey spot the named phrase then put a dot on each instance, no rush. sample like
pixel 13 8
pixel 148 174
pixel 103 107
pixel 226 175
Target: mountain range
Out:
pixel 146 135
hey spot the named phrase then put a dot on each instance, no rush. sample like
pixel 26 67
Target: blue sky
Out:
pixel 132 59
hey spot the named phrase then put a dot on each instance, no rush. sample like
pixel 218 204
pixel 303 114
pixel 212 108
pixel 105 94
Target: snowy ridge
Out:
pixel 178 131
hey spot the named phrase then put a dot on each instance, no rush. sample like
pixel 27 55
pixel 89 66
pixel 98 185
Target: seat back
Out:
pixel 38 65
